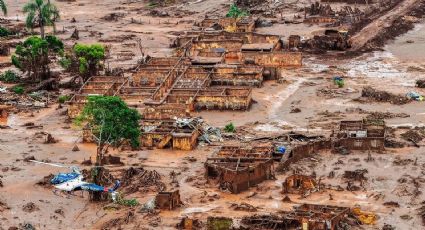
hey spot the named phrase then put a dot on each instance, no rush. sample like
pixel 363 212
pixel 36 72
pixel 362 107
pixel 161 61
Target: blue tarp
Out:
pixel 281 149
pixel 93 187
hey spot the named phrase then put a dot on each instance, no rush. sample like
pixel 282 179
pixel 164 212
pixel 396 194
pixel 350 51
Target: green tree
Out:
pixel 235 12
pixel 85 59
pixel 111 123
pixel 3 7
pixel 41 13
pixel 34 55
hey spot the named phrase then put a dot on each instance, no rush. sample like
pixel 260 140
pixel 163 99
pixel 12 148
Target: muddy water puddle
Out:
pixel 410 47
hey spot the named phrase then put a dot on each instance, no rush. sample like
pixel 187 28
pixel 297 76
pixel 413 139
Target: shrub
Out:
pixel 4 32
pixel 18 89
pixel 126 202
pixel 230 128
pixel 235 12
pixel 65 63
pixel 9 77
pixel 63 98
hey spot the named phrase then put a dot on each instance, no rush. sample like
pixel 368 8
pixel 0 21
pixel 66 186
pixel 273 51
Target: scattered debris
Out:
pixel 30 207
pixel 243 207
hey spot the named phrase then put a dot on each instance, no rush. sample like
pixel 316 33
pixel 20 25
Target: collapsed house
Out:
pixel 355 179
pixel 264 152
pixel 304 150
pixel 168 200
pixel 245 24
pixel 213 69
pixel 167 134
pixel 360 135
pixel 300 184
pixel 305 216
pixel 238 174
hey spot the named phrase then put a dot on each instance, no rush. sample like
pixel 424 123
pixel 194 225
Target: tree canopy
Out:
pixel 111 122
pixel 34 54
pixel 85 59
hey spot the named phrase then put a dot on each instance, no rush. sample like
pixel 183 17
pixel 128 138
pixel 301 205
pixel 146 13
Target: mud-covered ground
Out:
pixel 395 175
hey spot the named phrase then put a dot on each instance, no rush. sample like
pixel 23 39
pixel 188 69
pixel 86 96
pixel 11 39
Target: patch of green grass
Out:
pixel 18 89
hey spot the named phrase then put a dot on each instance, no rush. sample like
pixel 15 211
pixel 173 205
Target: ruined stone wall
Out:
pixel 370 143
pixel 206 46
pixel 149 139
pixel 167 200
pixel 320 20
pixel 237 76
pixel 186 142
pixel 164 112
pixel 224 102
pixel 302 151
pixel 273 59
pixel 150 78
pixel 242 180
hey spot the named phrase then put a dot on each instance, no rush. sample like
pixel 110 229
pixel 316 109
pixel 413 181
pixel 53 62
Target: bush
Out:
pixel 235 12
pixel 126 202
pixel 18 89
pixel 340 83
pixel 63 98
pixel 65 63
pixel 4 32
pixel 9 77
pixel 230 128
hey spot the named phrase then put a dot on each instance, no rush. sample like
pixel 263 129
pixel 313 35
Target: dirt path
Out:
pixel 371 31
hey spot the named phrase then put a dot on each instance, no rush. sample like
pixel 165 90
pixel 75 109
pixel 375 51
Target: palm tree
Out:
pixel 54 17
pixel 3 7
pixel 40 13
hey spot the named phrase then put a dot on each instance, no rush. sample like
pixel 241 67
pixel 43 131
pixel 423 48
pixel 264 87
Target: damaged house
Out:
pixel 305 216
pixel 168 200
pixel 360 135
pixel 214 68
pixel 238 174
pixel 300 184
pixel 169 134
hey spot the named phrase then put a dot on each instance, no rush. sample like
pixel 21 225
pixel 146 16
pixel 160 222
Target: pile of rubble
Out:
pixel 127 218
pixel 385 115
pixel 383 96
pixel 413 136
pixel 140 179
pixel 420 83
